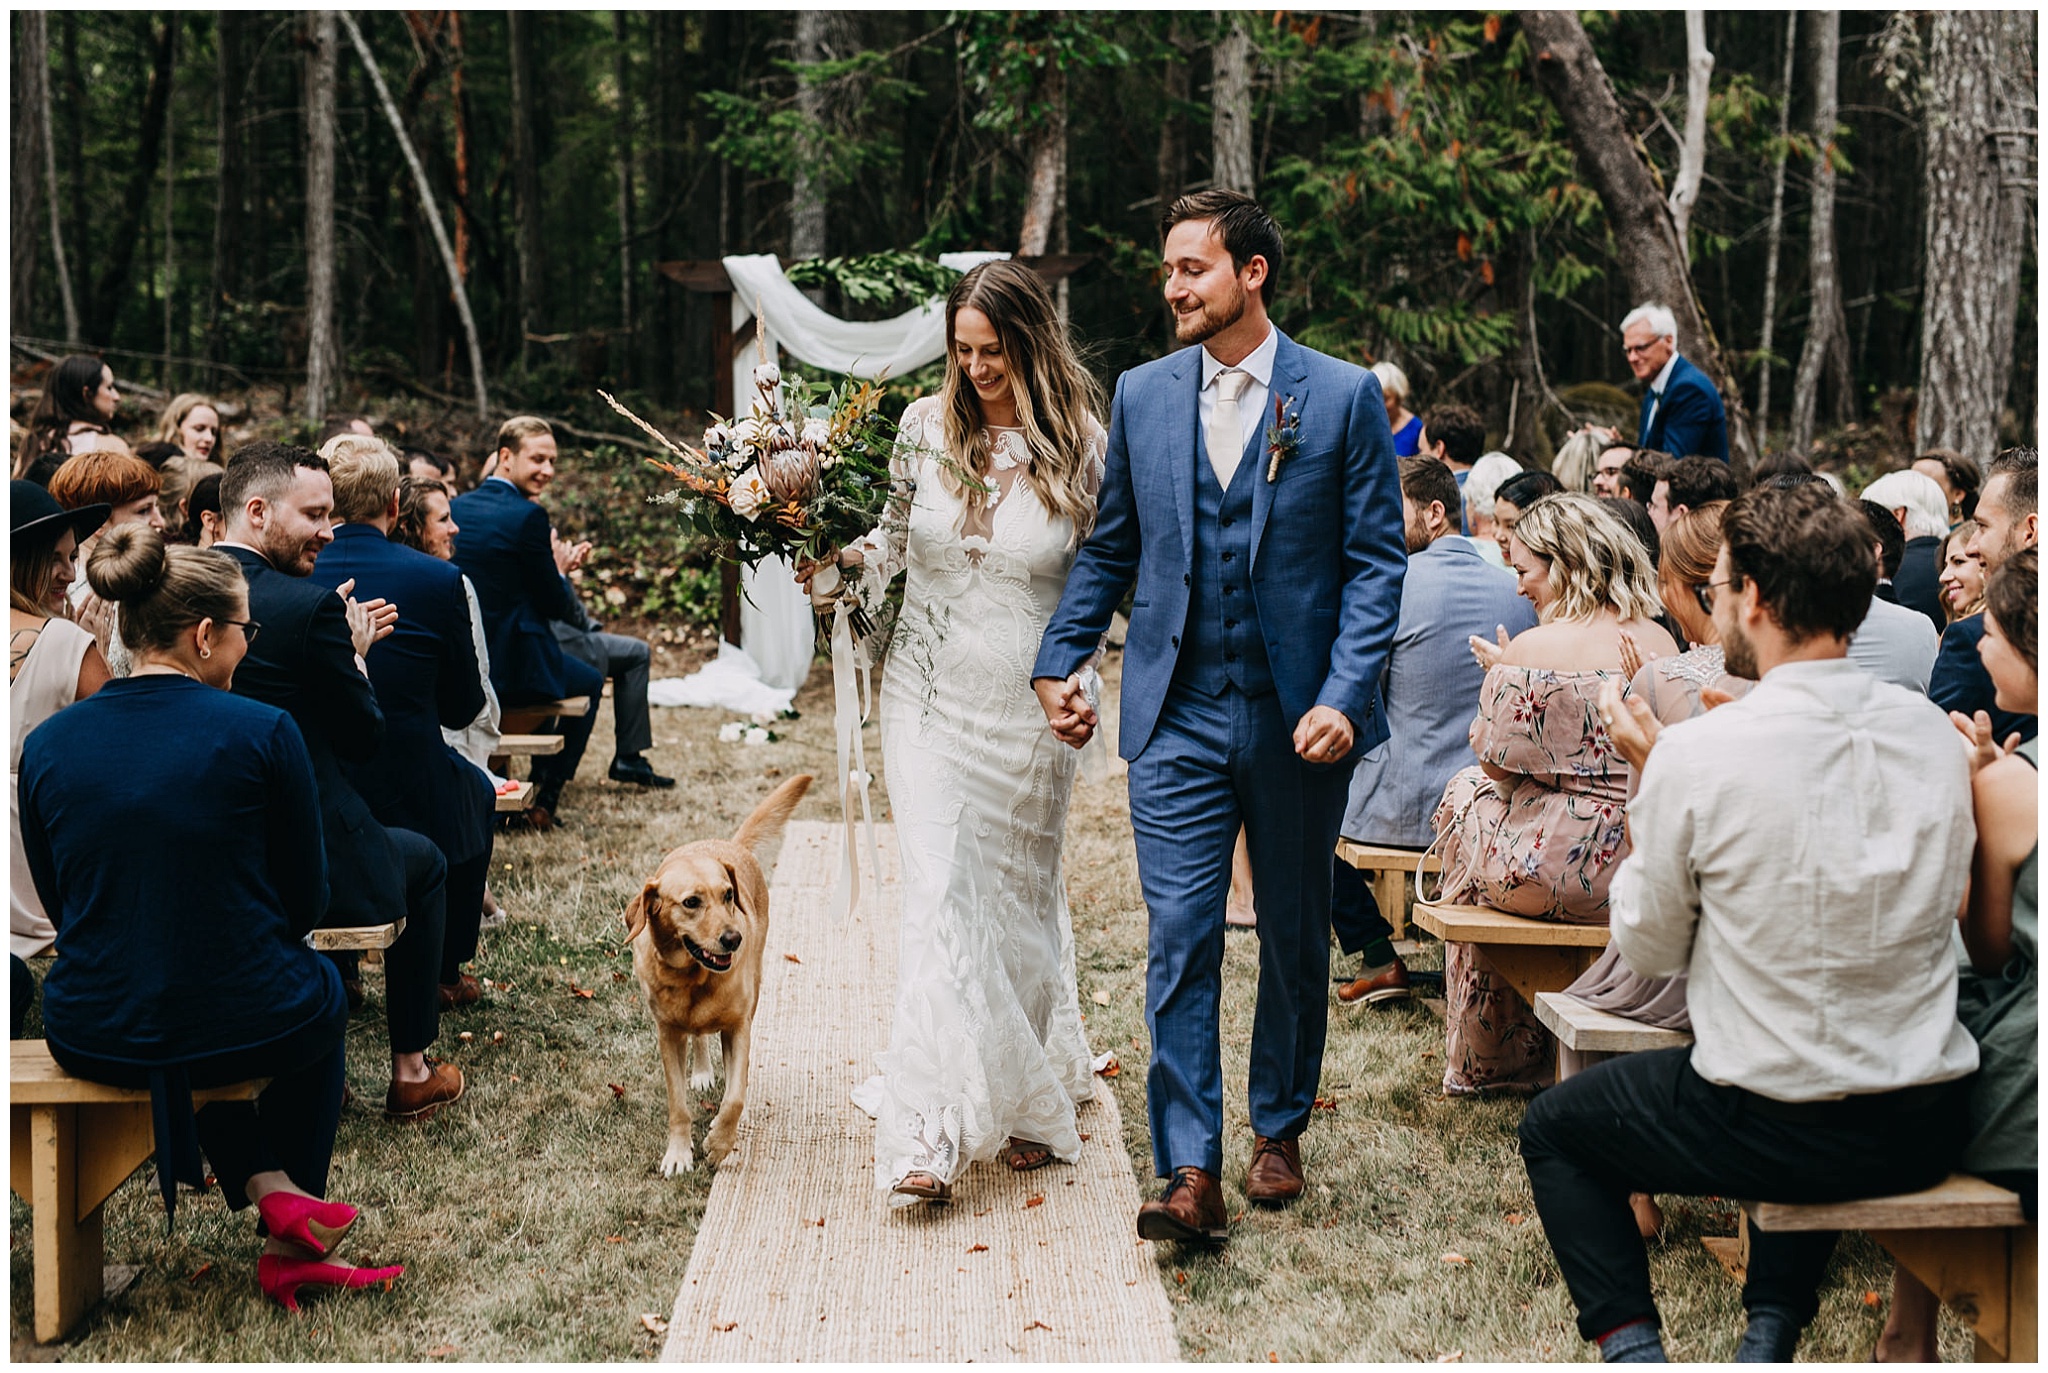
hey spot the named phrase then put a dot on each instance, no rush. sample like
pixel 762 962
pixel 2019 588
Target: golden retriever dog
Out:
pixel 698 929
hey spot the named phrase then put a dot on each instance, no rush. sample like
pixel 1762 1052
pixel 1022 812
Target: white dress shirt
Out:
pixel 1255 402
pixel 1801 853
pixel 1657 385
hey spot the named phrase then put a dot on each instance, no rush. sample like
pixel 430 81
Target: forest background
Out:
pixel 220 201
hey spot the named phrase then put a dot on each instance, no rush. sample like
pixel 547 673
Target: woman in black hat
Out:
pixel 51 662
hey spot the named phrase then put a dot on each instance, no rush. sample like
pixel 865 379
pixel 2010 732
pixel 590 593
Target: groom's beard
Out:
pixel 1201 325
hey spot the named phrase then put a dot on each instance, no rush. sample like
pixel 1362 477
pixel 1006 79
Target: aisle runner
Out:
pixel 796 1258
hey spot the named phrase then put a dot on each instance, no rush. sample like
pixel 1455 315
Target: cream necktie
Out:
pixel 1225 438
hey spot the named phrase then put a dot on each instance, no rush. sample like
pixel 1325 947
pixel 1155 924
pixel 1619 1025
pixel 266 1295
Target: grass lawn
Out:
pixel 534 1227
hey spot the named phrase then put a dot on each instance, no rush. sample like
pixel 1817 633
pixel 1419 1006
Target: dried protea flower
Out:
pixel 791 474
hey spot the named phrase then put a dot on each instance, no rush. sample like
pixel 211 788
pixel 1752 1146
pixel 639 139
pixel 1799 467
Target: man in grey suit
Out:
pixel 1893 644
pixel 1431 688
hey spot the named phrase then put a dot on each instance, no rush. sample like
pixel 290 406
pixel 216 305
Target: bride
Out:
pixel 986 1054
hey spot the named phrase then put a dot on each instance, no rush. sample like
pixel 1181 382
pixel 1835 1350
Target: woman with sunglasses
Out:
pixel 175 988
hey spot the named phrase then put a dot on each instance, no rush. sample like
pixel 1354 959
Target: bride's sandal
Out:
pixel 925 1187
pixel 1024 1155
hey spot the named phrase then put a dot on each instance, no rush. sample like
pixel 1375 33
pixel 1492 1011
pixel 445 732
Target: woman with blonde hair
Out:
pixel 1406 424
pixel 1962 576
pixel 192 423
pixel 1536 828
pixel 999 472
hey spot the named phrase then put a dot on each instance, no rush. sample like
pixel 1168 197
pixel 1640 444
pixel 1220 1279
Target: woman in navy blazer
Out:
pixel 175 988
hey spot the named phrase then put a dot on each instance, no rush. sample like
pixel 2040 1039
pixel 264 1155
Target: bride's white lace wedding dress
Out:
pixel 986 1041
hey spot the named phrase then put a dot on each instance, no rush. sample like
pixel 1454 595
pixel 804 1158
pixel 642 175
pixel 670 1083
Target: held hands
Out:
pixel 1066 708
pixel 568 557
pixel 368 621
pixel 1323 736
pixel 1488 654
pixel 808 568
pixel 1979 746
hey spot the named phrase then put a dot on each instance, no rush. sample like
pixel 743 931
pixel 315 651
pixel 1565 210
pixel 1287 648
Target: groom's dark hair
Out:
pixel 1244 226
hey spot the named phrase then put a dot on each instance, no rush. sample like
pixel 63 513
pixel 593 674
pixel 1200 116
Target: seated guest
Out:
pixel 1893 644
pixel 1957 476
pixel 1637 517
pixel 72 414
pixel 337 425
pixel 426 678
pixel 1607 469
pixel 1921 509
pixel 277 500
pixel 1514 495
pixel 428 466
pixel 1406 425
pixel 1456 437
pixel 1827 1062
pixel 541 646
pixel 1998 999
pixel 1535 829
pixel 191 422
pixel 201 511
pixel 2007 521
pixel 1688 484
pixel 1480 486
pixel 426 523
pixel 129 487
pixel 51 662
pixel 1574 461
pixel 1641 473
pixel 1962 576
pixel 175 987
pixel 1783 462
pixel 1430 686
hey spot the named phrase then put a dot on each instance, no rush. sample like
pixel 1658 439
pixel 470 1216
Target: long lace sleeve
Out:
pixel 884 549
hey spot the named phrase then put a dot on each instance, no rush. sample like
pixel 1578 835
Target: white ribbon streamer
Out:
pixel 850 687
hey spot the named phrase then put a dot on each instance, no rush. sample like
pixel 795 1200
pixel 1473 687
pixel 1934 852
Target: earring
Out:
pixel 206 653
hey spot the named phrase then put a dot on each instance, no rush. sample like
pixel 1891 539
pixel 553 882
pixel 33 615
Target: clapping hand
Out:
pixel 568 556
pixel 96 617
pixel 368 621
pixel 1980 747
pixel 1632 655
pixel 1488 654
pixel 1631 727
pixel 1066 708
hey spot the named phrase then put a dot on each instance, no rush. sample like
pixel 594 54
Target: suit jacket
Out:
pixel 1918 582
pixel 1961 683
pixel 1431 688
pixel 504 550
pixel 425 674
pixel 1893 645
pixel 1327 551
pixel 304 663
pixel 1690 417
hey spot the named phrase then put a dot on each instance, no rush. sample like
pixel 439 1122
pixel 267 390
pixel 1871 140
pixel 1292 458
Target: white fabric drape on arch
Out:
pixel 855 348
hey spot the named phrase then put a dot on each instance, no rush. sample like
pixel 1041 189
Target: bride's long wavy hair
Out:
pixel 1056 397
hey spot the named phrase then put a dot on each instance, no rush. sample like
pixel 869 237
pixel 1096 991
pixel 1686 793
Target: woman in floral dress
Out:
pixel 1536 829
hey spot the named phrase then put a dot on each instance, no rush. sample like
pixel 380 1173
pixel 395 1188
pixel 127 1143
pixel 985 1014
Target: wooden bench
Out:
pixel 512 802
pixel 512 746
pixel 527 719
pixel 1585 1035
pixel 1966 1239
pixel 1389 869
pixel 337 938
pixel 74 1142
pixel 1532 955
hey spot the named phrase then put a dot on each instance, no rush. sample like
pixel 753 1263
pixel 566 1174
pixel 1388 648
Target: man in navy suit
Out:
pixel 425 674
pixel 2008 520
pixel 1431 690
pixel 520 571
pixel 1251 495
pixel 1682 413
pixel 276 506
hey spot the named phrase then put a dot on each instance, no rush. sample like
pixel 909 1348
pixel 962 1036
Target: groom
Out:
pixel 1268 555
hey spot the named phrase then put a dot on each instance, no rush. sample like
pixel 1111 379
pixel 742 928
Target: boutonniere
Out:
pixel 1283 435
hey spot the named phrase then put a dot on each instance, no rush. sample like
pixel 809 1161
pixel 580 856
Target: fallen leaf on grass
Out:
pixel 1455 1356
pixel 724 1326
pixel 1869 1298
pixel 1513 1218
pixel 201 1271
pixel 1326 1103
pixel 497 1036
pixel 792 958
pixel 1272 1356
pixel 583 992
pixel 1099 998
pixel 655 1324
pixel 614 1239
pixel 617 1090
pixel 618 977
pixel 1454 1258
pixel 1037 1325
pixel 1038 1200
pixel 1180 1277
pixel 512 1077
pixel 466 1036
pixel 439 1351
pixel 977 1249
pixel 1110 1069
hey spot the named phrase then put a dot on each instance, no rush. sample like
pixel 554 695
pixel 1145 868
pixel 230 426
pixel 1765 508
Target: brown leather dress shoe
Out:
pixel 467 991
pixel 537 819
pixel 1391 985
pixel 1189 1210
pixel 1275 1174
pixel 419 1100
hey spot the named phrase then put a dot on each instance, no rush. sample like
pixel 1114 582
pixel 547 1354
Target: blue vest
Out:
pixel 1223 644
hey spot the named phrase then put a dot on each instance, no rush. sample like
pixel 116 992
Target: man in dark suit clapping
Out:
pixel 531 616
pixel 276 504
pixel 425 674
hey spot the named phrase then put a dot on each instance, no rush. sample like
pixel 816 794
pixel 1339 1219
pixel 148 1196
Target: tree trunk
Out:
pixel 1527 438
pixel 320 342
pixel 112 287
pixel 170 246
pixel 525 177
pixel 1645 240
pixel 807 200
pixel 1827 328
pixel 224 278
pixel 1048 165
pixel 1230 96
pixel 1975 238
pixel 427 207
pixel 31 81
pixel 1775 235
pixel 1692 151
pixel 621 74
pixel 78 249
pixel 1173 124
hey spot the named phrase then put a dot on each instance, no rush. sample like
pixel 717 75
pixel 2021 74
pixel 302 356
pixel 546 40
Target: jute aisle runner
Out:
pixel 797 1259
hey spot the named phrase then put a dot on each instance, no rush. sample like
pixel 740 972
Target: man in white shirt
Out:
pixel 1801 854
